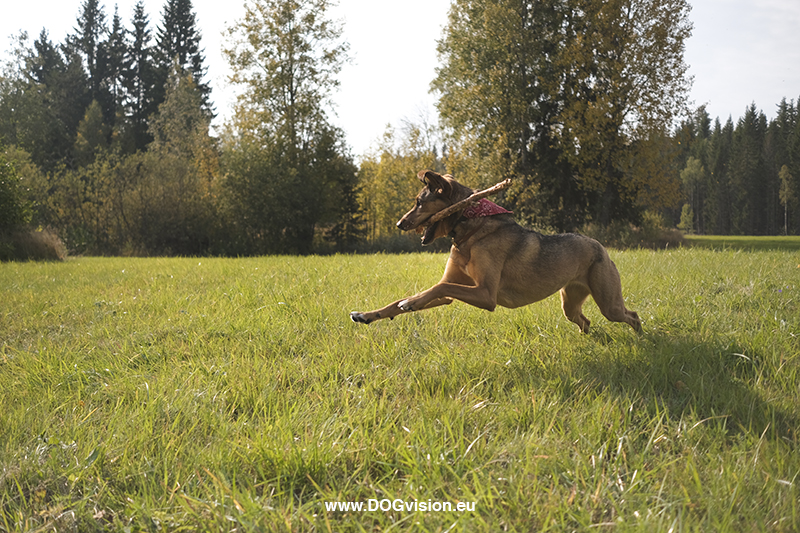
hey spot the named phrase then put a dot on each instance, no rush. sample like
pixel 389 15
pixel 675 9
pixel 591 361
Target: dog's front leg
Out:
pixel 480 296
pixel 392 310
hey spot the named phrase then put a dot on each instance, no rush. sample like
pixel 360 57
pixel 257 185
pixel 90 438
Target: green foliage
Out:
pixel 787 195
pixel 208 395
pixel 15 211
pixel 93 135
pixel 43 97
pixel 178 41
pixel 289 173
pixel 572 98
pixel 388 178
pixel 162 201
pixel 692 177
pixel 733 172
pixel 47 89
pixel 562 95
pixel 687 219
pixel 141 82
pixel 493 83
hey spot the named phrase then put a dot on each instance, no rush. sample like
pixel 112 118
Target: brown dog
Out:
pixel 495 261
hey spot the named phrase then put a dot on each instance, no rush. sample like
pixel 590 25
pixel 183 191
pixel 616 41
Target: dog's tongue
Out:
pixel 429 235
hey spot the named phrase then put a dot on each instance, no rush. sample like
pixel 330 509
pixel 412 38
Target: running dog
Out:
pixel 494 261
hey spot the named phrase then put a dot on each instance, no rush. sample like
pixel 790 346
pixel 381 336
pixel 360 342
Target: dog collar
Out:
pixel 484 208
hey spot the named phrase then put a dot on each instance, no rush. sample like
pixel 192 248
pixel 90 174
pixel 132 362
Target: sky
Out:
pixel 740 52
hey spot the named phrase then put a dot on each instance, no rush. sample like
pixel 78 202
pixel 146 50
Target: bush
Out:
pixel 31 245
pixel 14 210
pixel 652 234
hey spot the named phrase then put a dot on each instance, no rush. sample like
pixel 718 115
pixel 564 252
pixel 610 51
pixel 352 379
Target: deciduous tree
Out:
pixel 557 92
pixel 287 161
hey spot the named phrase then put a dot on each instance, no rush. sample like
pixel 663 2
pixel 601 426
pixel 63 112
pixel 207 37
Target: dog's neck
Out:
pixel 476 217
pixel 458 237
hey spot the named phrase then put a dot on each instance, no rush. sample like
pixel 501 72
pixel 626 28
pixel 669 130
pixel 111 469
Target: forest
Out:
pixel 105 137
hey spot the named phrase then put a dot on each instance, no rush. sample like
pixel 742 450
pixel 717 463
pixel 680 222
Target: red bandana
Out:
pixel 485 208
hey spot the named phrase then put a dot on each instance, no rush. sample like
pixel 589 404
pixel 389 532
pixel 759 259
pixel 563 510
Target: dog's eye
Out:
pixel 418 203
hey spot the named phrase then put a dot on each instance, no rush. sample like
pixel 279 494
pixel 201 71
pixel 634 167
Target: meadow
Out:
pixel 744 242
pixel 236 394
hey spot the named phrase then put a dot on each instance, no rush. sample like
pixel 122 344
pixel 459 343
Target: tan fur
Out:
pixel 494 261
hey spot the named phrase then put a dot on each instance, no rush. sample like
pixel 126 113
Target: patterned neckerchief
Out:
pixel 485 208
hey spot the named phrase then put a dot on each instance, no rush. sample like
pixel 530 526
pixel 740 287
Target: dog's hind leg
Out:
pixel 572 297
pixel 606 287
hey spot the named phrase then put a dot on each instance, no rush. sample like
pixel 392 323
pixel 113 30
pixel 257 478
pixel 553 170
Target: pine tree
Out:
pixel 46 60
pixel 793 164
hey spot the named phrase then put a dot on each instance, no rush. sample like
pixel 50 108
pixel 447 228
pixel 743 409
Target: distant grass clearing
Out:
pixel 739 242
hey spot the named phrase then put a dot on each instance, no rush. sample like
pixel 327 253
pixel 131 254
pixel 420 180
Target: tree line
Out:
pixel 106 135
pixel 741 178
pixel 109 133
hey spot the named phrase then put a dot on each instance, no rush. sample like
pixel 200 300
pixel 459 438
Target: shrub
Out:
pixel 652 234
pixel 14 210
pixel 31 245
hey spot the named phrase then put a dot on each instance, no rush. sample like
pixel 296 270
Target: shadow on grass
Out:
pixel 709 381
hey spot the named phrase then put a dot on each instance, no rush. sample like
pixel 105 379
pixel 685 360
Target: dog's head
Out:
pixel 438 193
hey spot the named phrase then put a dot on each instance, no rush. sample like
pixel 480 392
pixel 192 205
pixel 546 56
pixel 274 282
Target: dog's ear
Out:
pixel 436 183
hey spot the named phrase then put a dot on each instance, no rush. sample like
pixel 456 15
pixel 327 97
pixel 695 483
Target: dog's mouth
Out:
pixel 428 232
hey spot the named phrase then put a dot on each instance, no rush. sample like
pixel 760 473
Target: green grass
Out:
pixel 743 242
pixel 222 394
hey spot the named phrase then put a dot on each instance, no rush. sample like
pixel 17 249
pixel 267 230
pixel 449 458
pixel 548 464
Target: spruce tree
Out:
pixel 719 206
pixel 750 184
pixel 43 96
pixel 90 43
pixel 178 41
pixel 793 164
pixel 117 58
pixel 141 79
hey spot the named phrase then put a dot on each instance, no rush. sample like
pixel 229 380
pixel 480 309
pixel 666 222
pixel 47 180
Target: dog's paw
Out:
pixel 359 318
pixel 405 305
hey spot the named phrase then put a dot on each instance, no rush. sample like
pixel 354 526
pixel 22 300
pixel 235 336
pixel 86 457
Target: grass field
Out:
pixel 743 242
pixel 236 394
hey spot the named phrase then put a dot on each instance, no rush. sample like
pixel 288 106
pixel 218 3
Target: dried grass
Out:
pixel 32 245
